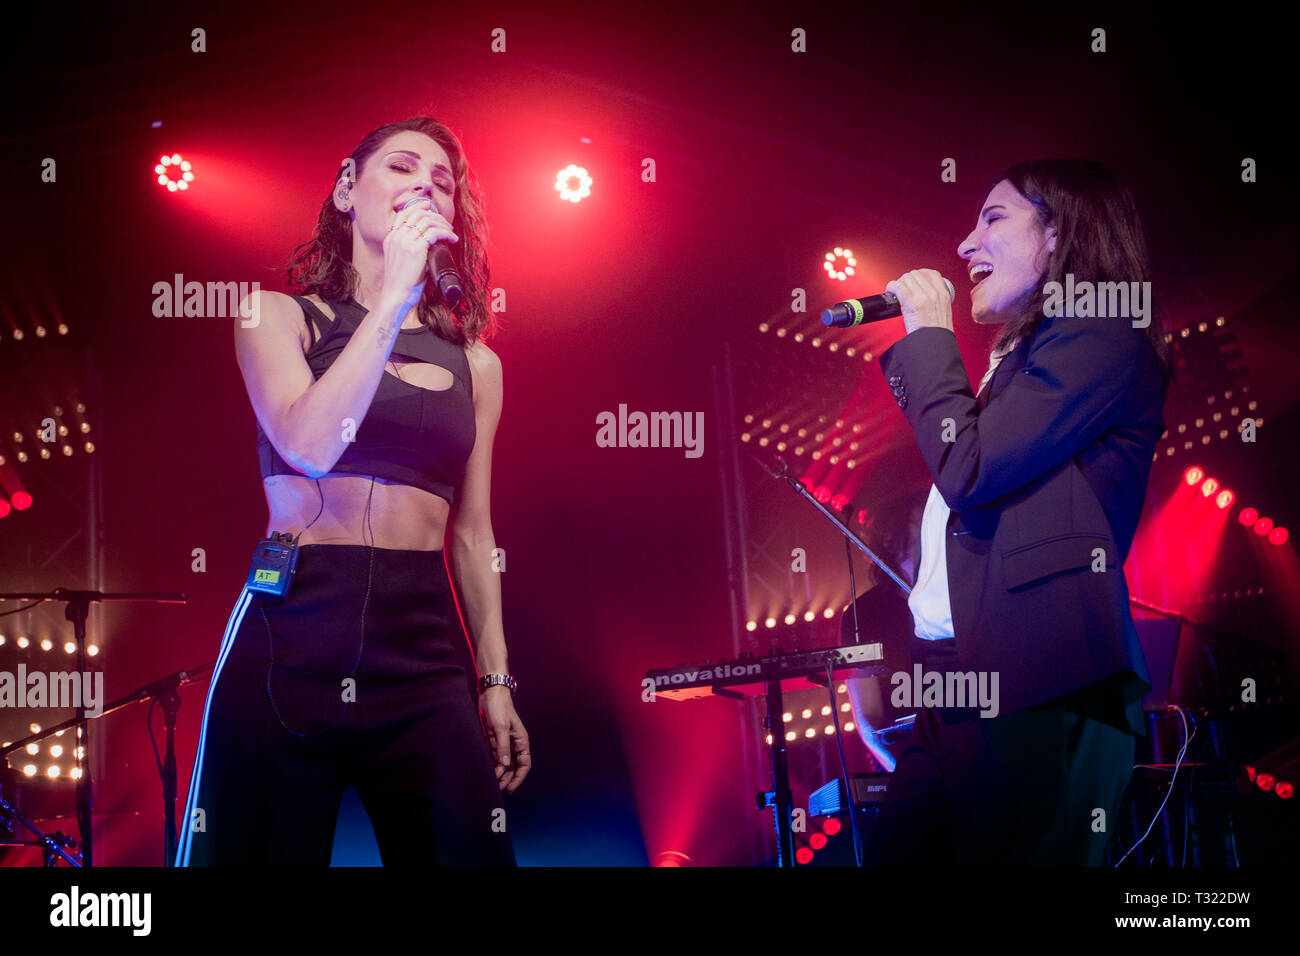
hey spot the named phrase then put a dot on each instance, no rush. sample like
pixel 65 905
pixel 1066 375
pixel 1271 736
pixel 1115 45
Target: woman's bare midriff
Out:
pixel 402 518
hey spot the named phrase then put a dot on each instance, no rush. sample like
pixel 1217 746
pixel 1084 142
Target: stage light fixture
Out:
pixel 174 172
pixel 840 263
pixel 1193 475
pixel 1209 486
pixel 573 183
pixel 1278 536
pixel 1225 498
pixel 1248 516
pixel 1263 526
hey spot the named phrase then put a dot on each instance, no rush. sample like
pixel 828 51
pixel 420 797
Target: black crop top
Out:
pixel 411 435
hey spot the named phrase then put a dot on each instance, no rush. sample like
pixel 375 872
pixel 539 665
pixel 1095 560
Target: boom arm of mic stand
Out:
pixel 832 518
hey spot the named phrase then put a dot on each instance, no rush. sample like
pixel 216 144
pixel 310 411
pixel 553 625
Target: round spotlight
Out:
pixel 831 826
pixel 1193 475
pixel 1248 516
pixel 21 500
pixel 1209 486
pixel 1263 526
pixel 174 172
pixel 840 263
pixel 803 855
pixel 1278 536
pixel 573 183
pixel 1225 498
pixel 817 841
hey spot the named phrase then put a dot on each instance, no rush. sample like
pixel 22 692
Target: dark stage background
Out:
pixel 765 158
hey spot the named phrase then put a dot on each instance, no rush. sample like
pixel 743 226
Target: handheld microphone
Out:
pixel 853 312
pixel 441 265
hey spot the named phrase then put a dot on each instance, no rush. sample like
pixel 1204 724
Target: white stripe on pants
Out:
pixel 227 642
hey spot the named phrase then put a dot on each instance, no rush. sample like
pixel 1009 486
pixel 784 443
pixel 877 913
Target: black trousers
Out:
pixel 350 680
pixel 1038 787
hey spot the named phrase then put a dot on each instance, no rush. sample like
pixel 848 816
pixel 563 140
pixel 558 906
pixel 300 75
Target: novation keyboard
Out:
pixel 748 675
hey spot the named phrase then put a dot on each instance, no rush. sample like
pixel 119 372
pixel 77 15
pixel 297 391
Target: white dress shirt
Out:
pixel 929 601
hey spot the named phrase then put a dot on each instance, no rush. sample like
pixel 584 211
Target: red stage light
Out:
pixel 1248 516
pixel 862 516
pixel 173 172
pixel 573 183
pixel 803 855
pixel 1209 486
pixel 21 500
pixel 822 494
pixel 1192 475
pixel 1250 772
pixel 1284 790
pixel 1225 498
pixel 840 502
pixel 1263 526
pixel 831 826
pixel 840 263
pixel 1264 781
pixel 4 508
pixel 1278 536
pixel 817 841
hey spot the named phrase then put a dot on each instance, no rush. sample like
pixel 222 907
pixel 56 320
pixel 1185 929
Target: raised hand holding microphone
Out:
pixel 416 242
pixel 926 299
pixel 853 312
pixel 441 266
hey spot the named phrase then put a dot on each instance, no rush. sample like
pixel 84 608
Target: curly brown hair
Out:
pixel 323 264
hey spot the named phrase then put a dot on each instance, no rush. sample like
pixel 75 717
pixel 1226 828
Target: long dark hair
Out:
pixel 1099 238
pixel 323 264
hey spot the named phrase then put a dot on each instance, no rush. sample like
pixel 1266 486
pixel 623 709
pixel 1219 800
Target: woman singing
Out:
pixel 376 405
pixel 1038 487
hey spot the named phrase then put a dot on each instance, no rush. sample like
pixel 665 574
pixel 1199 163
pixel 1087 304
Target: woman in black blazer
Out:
pixel 1038 487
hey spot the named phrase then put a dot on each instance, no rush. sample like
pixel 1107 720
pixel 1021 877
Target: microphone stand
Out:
pixel 780 769
pixel 78 608
pixel 849 536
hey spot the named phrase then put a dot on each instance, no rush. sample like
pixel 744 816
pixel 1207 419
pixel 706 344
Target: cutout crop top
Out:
pixel 411 435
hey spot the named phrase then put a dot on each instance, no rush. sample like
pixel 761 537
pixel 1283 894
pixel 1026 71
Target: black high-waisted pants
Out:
pixel 277 747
